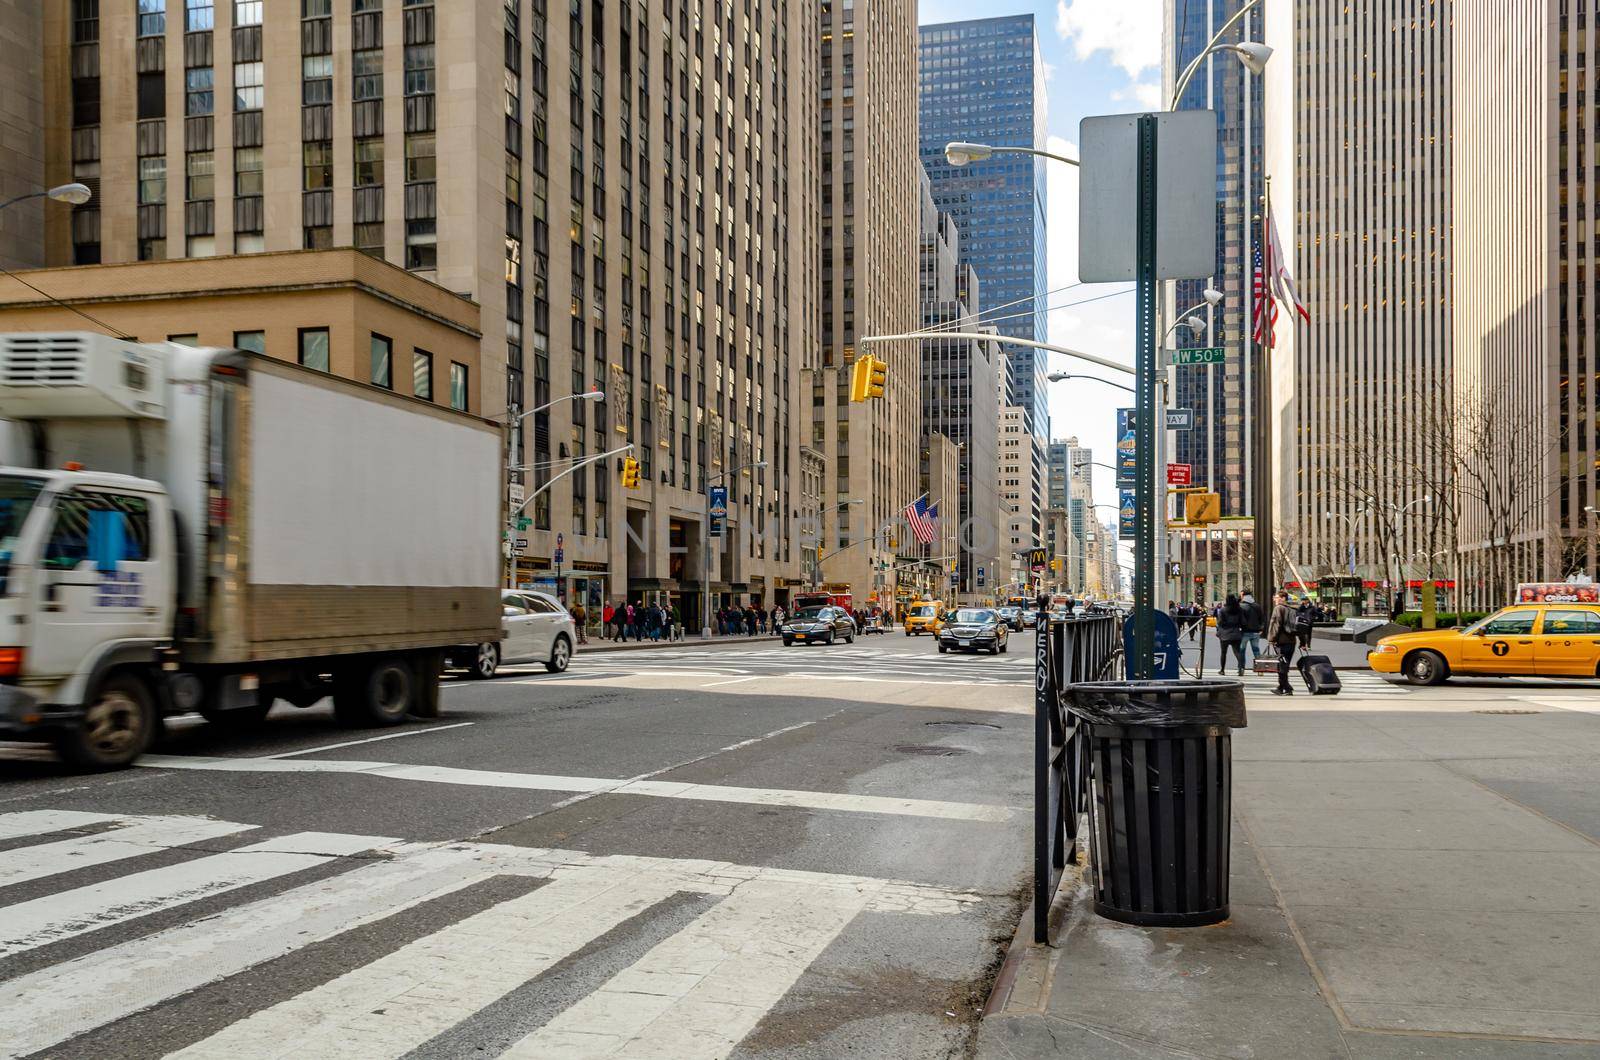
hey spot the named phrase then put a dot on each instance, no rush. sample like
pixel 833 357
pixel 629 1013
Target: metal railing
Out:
pixel 1066 651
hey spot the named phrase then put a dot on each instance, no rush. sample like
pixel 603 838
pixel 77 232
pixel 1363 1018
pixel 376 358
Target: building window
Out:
pixel 422 374
pixel 368 67
pixel 152 180
pixel 316 8
pixel 369 162
pixel 152 92
pixel 184 340
pixel 248 90
pixel 369 238
pixel 198 85
pixel 200 247
pixel 382 350
pixel 316 72
pixel 318 165
pixel 198 16
pixel 420 161
pixel 85 21
pixel 458 386
pixel 419 69
pixel 314 348
pixel 249 243
pixel 254 341
pixel 149 250
pixel 318 237
pixel 247 12
pixel 152 18
pixel 200 169
pixel 422 244
pixel 247 171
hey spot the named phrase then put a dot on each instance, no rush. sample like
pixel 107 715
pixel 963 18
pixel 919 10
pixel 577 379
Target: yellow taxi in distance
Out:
pixel 924 616
pixel 1541 639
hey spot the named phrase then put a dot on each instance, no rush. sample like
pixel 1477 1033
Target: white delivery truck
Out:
pixel 213 530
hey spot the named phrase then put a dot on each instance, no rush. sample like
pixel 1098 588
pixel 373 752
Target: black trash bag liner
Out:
pixel 1159 704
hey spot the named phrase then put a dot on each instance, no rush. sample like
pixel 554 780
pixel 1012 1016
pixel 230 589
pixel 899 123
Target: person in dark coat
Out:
pixel 1230 631
pixel 1280 632
pixel 1305 618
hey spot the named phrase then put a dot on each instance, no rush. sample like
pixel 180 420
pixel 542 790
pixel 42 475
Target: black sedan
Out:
pixel 974 629
pixel 819 625
pixel 1011 616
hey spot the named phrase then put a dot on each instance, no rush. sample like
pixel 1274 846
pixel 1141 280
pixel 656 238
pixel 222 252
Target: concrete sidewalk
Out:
pixel 692 640
pixel 1345 655
pixel 1412 876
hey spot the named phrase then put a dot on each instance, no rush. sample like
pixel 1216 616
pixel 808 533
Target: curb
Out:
pixel 601 647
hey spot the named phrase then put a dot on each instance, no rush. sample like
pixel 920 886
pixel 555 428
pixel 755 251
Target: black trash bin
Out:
pixel 1161 775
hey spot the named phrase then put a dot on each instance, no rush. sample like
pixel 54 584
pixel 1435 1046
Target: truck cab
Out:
pixel 87 580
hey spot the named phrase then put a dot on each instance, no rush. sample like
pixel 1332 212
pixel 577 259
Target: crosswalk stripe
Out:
pixel 43 822
pixel 698 993
pixel 145 835
pixel 53 918
pixel 398 1002
pixel 63 1001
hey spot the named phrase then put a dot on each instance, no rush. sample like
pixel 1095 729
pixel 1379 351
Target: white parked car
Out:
pixel 536 629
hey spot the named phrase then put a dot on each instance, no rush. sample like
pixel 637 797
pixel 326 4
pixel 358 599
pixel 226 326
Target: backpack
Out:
pixel 1300 623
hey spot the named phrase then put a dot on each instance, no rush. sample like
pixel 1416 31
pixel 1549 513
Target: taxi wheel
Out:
pixel 942 648
pixel 1425 668
pixel 788 642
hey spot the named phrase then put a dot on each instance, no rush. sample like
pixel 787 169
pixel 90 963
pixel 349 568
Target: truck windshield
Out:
pixel 17 496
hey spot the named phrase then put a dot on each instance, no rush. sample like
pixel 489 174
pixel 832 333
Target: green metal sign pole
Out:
pixel 1142 665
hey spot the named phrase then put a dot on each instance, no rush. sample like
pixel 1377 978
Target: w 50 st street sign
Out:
pixel 1198 355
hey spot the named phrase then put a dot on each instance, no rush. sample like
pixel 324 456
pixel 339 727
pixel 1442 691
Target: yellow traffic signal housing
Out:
pixel 1055 565
pixel 877 377
pixel 1200 509
pixel 630 474
pixel 858 377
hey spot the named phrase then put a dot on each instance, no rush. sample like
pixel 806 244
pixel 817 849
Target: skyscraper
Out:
pixel 983 81
pixel 1218 447
pixel 959 398
pixel 869 259
pixel 1358 137
pixel 648 168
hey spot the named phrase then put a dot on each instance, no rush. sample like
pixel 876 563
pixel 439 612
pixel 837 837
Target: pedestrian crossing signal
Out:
pixel 630 474
pixel 1200 509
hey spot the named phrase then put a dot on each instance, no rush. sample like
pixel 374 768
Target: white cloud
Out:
pixel 1129 31
pixel 1145 94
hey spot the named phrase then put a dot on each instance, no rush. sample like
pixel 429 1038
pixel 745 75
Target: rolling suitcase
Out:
pixel 1320 677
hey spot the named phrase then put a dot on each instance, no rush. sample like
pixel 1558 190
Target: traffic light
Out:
pixel 877 376
pixel 1055 565
pixel 868 377
pixel 630 474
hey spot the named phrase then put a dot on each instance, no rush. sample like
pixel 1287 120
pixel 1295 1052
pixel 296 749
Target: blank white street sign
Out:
pixel 1186 196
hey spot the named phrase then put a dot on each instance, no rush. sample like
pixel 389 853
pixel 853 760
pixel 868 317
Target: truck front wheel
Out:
pixel 377 694
pixel 119 721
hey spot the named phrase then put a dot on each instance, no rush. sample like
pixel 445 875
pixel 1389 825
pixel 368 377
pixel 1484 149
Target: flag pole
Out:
pixel 1261 567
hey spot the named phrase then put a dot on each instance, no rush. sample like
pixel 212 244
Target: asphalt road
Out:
pixel 727 850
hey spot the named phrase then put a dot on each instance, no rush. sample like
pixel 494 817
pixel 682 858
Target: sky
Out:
pixel 1100 57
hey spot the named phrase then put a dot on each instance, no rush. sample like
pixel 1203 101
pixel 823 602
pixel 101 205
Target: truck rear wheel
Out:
pixel 119 721
pixel 376 694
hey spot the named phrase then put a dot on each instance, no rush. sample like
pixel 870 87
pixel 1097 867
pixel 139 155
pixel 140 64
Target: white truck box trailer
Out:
pixel 196 529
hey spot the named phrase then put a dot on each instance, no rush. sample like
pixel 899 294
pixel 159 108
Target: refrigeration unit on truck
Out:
pixel 214 530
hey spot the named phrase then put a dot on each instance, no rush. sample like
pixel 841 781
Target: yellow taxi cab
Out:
pixel 924 616
pixel 1538 639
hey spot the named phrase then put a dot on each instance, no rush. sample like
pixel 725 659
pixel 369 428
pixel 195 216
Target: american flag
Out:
pixel 923 518
pixel 1266 310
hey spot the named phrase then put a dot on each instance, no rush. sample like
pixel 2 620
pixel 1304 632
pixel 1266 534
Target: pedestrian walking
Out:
pixel 1252 626
pixel 607 618
pixel 580 620
pixel 777 617
pixel 1230 631
pixel 1281 635
pixel 749 621
pixel 677 623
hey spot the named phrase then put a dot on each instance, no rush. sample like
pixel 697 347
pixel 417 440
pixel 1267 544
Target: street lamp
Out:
pixel 73 194
pixel 705 552
pixel 1057 377
pixel 960 153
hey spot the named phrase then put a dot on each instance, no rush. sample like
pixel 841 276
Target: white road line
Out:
pixel 698 993
pixel 71 913
pixel 398 1002
pixel 735 681
pixel 375 739
pixel 43 822
pixel 483 778
pixel 143 835
pixel 60 1002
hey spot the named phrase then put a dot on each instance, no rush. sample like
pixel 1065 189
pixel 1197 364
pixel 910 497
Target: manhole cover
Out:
pixel 960 725
pixel 1506 711
pixel 930 750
